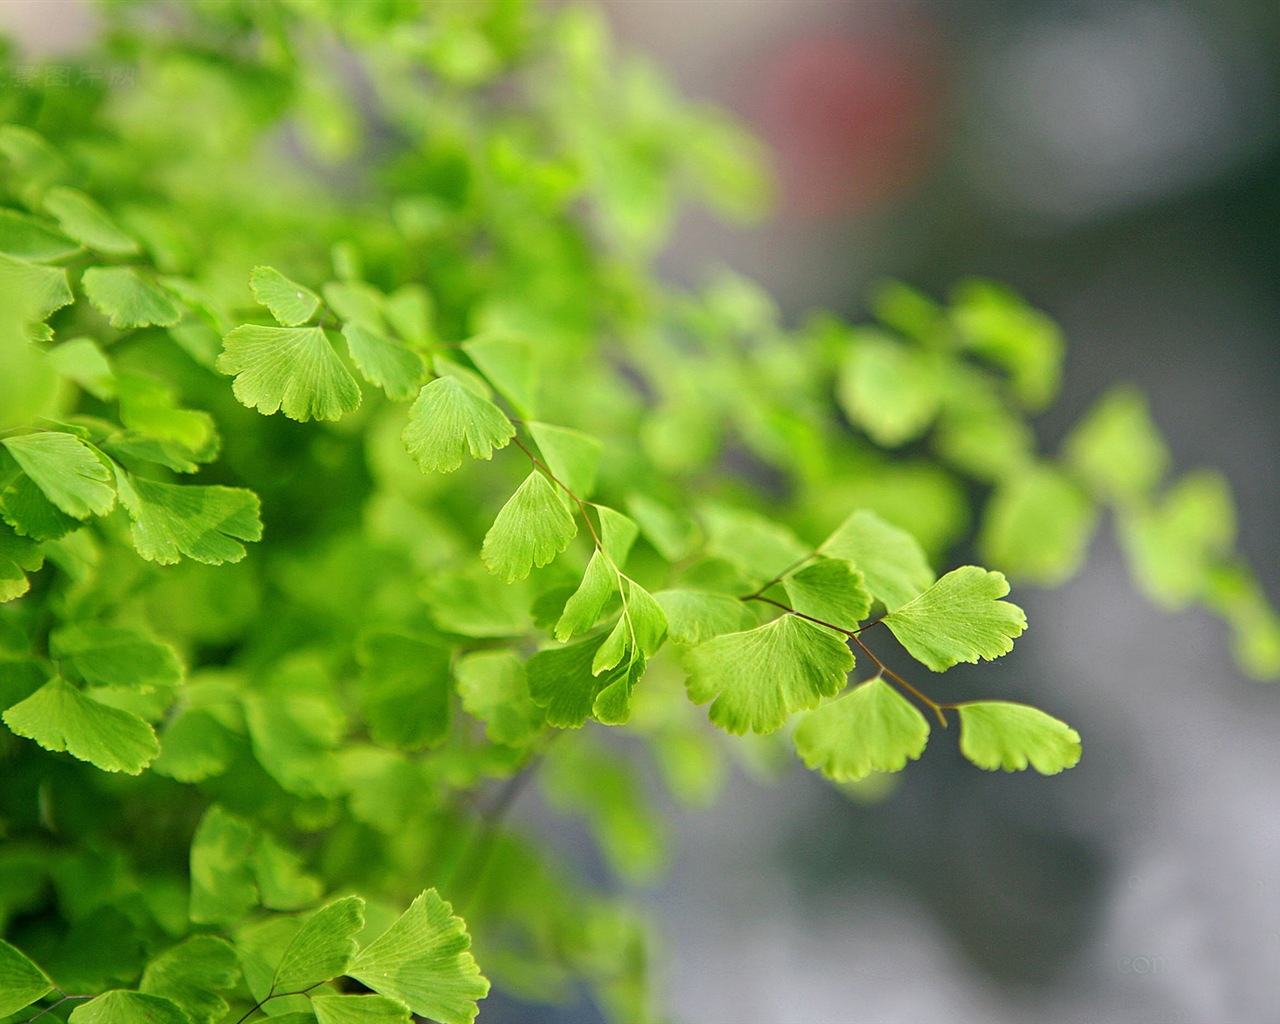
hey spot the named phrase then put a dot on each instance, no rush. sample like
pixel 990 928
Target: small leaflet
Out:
pixel 1037 526
pixel 364 1009
pixel 323 948
pixel 960 618
pixel 1116 449
pixel 104 655
pixel 128 299
pixel 759 677
pixel 423 961
pixel 289 369
pixel 21 981
pixel 118 1007
pixel 872 728
pixel 999 734
pixel 81 218
pixel 191 974
pixel 290 303
pixel 206 524
pixel 384 362
pixel 888 389
pixel 572 456
pixel 60 717
pixel 830 589
pixel 530 530
pixel 449 420
pixel 69 472
pixel 892 563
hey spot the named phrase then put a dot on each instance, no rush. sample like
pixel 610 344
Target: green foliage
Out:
pixel 333 668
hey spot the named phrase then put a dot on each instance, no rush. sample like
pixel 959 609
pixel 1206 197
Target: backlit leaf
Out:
pixel 872 728
pixel 119 1007
pixel 21 981
pixel 104 655
pixel 572 456
pixel 390 365
pixel 69 472
pixel 207 524
pixel 81 218
pixel 999 734
pixel 191 974
pixel 1037 526
pixel 892 563
pixel 323 948
pixel 423 961
pixel 530 530
pixel 293 369
pixel 366 1009
pixel 1116 449
pixel 290 303
pixel 60 717
pixel 829 589
pixel 449 420
pixel 128 299
pixel 959 618
pixel 759 677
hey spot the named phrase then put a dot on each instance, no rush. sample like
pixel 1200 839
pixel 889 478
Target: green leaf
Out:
pixel 572 456
pixel 81 360
pixel 290 303
pixel 323 948
pixel 998 734
pixel 617 534
pixel 563 684
pixel 530 530
pixel 697 615
pixel 423 961
pixel 194 746
pixel 449 420
pixel 18 556
pixel 408 310
pixel 582 609
pixel 509 366
pixel 206 524
pixel 759 546
pixel 283 883
pixel 1037 526
pixel 60 717
pixel 21 981
pixel 222 881
pixel 293 738
pixel 648 620
pixel 359 1010
pixel 494 689
pixel 1173 545
pixel 293 369
pixel 612 705
pixel 888 389
pixel 404 690
pixel 114 656
pixel 673 536
pixel 357 302
pixel 31 239
pixel 872 728
pixel 998 325
pixel 388 364
pixel 1116 449
pixel 829 589
pixel 959 618
pixel 81 218
pixel 761 676
pixel 44 290
pixel 191 974
pixel 893 565
pixel 129 300
pixel 119 1007
pixel 69 472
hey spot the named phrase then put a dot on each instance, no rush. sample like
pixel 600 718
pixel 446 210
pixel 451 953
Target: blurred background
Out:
pixel 1119 164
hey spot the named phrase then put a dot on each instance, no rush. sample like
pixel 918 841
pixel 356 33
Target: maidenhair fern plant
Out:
pixel 356 471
